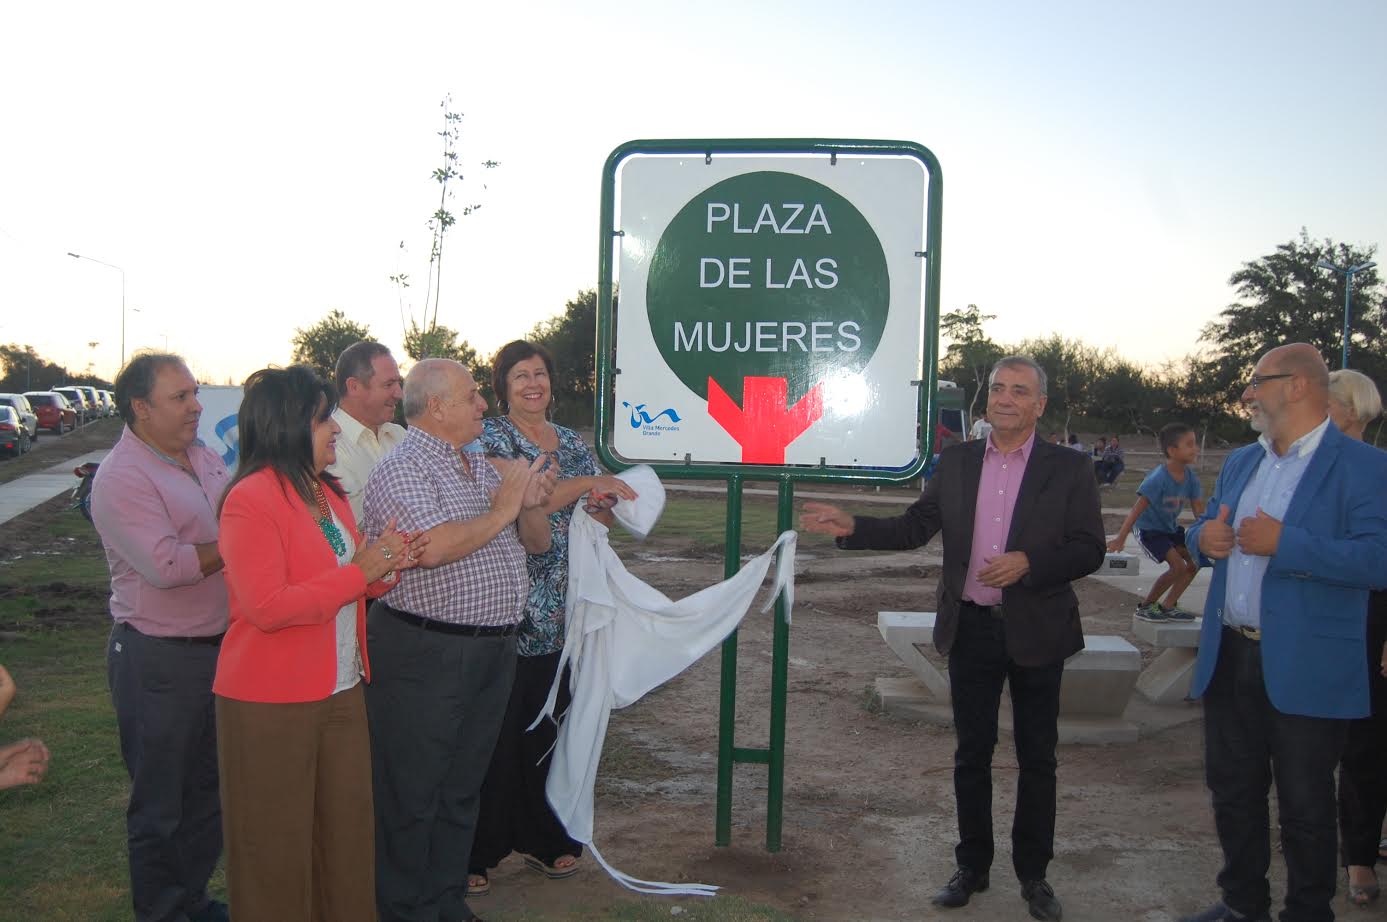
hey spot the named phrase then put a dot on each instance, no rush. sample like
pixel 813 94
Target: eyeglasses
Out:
pixel 1257 380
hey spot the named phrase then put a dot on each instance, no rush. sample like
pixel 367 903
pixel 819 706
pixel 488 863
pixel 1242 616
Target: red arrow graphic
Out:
pixel 763 425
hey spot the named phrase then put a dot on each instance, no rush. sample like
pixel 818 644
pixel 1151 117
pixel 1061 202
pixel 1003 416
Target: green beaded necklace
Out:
pixel 329 528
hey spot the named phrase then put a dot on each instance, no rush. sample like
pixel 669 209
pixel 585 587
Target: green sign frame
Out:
pixel 773 755
pixel 609 239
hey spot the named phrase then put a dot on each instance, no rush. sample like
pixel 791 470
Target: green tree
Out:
pixel 1286 297
pixel 440 342
pixel 320 344
pixel 971 353
pixel 571 338
pixel 1073 368
pixel 26 370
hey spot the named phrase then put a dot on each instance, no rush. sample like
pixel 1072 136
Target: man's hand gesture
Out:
pixel 1216 536
pixel 823 519
pixel 1259 534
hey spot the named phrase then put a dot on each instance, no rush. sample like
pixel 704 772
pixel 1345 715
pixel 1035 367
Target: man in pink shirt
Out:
pixel 1021 521
pixel 154 502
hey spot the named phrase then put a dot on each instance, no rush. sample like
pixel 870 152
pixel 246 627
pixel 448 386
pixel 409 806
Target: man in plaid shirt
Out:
pixel 442 643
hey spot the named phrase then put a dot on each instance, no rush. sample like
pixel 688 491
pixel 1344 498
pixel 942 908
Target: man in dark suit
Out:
pixel 1021 521
pixel 1296 531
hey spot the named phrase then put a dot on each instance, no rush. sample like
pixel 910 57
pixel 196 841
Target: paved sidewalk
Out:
pixel 19 496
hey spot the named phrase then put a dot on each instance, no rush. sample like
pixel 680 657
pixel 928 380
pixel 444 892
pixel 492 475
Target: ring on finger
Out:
pixel 385 552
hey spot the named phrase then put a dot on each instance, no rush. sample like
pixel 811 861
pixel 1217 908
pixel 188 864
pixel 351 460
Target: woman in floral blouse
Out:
pixel 514 814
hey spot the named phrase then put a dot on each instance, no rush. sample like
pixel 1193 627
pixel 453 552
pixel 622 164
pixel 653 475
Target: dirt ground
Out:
pixel 869 823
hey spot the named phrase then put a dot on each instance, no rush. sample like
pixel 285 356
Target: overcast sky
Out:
pixel 1106 165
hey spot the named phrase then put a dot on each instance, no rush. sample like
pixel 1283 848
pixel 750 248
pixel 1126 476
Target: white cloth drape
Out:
pixel 624 638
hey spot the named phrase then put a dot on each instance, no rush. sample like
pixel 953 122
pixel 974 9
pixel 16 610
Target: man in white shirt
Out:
pixel 981 428
pixel 369 387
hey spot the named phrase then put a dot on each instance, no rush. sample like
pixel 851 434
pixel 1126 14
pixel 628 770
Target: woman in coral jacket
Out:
pixel 293 746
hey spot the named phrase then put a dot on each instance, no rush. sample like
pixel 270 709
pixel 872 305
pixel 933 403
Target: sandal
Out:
pixel 478 885
pixel 552 871
pixel 1363 894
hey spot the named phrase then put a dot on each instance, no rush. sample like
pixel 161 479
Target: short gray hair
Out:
pixel 428 378
pixel 355 362
pixel 1357 392
pixel 136 380
pixel 1020 361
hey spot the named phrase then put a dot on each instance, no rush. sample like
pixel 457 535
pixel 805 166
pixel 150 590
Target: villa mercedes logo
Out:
pixel 642 418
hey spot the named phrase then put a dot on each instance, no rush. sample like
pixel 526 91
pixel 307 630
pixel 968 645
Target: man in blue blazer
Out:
pixel 1296 531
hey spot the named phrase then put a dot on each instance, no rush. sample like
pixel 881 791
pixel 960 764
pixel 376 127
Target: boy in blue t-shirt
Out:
pixel 1160 498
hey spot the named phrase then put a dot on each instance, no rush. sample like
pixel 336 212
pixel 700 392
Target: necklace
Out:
pixel 329 528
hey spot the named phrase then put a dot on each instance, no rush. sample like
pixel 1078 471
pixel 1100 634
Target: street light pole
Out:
pixel 122 298
pixel 1348 272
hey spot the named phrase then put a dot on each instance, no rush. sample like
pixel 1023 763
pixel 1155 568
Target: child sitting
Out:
pixel 1160 499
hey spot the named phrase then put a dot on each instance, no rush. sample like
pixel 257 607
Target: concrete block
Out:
pixel 909 634
pixel 1120 564
pixel 1167 680
pixel 1169 633
pixel 1098 680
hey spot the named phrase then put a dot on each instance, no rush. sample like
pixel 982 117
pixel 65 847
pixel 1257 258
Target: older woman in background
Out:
pixel 515 816
pixel 293 744
pixel 1353 403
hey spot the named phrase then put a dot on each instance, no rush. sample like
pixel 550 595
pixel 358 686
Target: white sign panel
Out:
pixel 770 309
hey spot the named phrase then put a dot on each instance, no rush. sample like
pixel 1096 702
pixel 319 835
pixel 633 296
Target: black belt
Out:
pixel 213 640
pixel 1247 633
pixel 993 610
pixel 444 627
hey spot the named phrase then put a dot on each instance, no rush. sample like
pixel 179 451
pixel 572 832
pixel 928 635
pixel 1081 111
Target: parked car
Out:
pixel 27 416
pixel 54 412
pixel 14 438
pixel 110 400
pixel 85 411
pixel 93 400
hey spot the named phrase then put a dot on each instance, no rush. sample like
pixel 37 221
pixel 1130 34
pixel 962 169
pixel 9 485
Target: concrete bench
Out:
pixel 1094 691
pixel 1120 564
pixel 1167 679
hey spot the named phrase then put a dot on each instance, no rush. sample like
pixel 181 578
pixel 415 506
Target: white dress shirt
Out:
pixel 359 450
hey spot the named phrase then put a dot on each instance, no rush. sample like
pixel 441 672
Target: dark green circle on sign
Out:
pixel 767 274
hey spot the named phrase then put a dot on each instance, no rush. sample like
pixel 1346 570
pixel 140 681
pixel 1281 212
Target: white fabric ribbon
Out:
pixel 624 638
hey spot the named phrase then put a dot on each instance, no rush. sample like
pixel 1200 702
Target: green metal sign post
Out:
pixel 778 321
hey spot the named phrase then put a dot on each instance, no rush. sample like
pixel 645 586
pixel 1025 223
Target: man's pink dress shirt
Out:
pixel 997 489
pixel 150 512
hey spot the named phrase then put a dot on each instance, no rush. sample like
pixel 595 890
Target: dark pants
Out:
pixel 515 815
pixel 1247 745
pixel 1363 772
pixel 162 693
pixel 978 666
pixel 435 705
pixel 1108 471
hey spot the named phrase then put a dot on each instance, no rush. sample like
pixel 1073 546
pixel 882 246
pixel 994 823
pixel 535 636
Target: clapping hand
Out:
pixel 7 689
pixel 393 551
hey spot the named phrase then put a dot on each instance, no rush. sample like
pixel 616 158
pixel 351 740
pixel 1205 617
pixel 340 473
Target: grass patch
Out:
pixel 699 519
pixel 64 845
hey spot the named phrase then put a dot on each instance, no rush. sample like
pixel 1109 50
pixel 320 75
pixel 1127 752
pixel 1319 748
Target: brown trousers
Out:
pixel 296 809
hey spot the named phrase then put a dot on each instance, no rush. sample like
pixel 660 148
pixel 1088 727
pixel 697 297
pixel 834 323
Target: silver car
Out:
pixel 27 416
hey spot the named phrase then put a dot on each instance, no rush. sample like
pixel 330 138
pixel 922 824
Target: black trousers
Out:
pixel 434 705
pixel 165 714
pixel 515 815
pixel 1247 745
pixel 1363 771
pixel 978 666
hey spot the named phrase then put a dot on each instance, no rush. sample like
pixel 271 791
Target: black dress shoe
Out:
pixel 960 887
pixel 1221 913
pixel 1040 899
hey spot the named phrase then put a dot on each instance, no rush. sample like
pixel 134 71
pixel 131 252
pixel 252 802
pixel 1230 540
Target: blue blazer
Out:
pixel 1333 550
